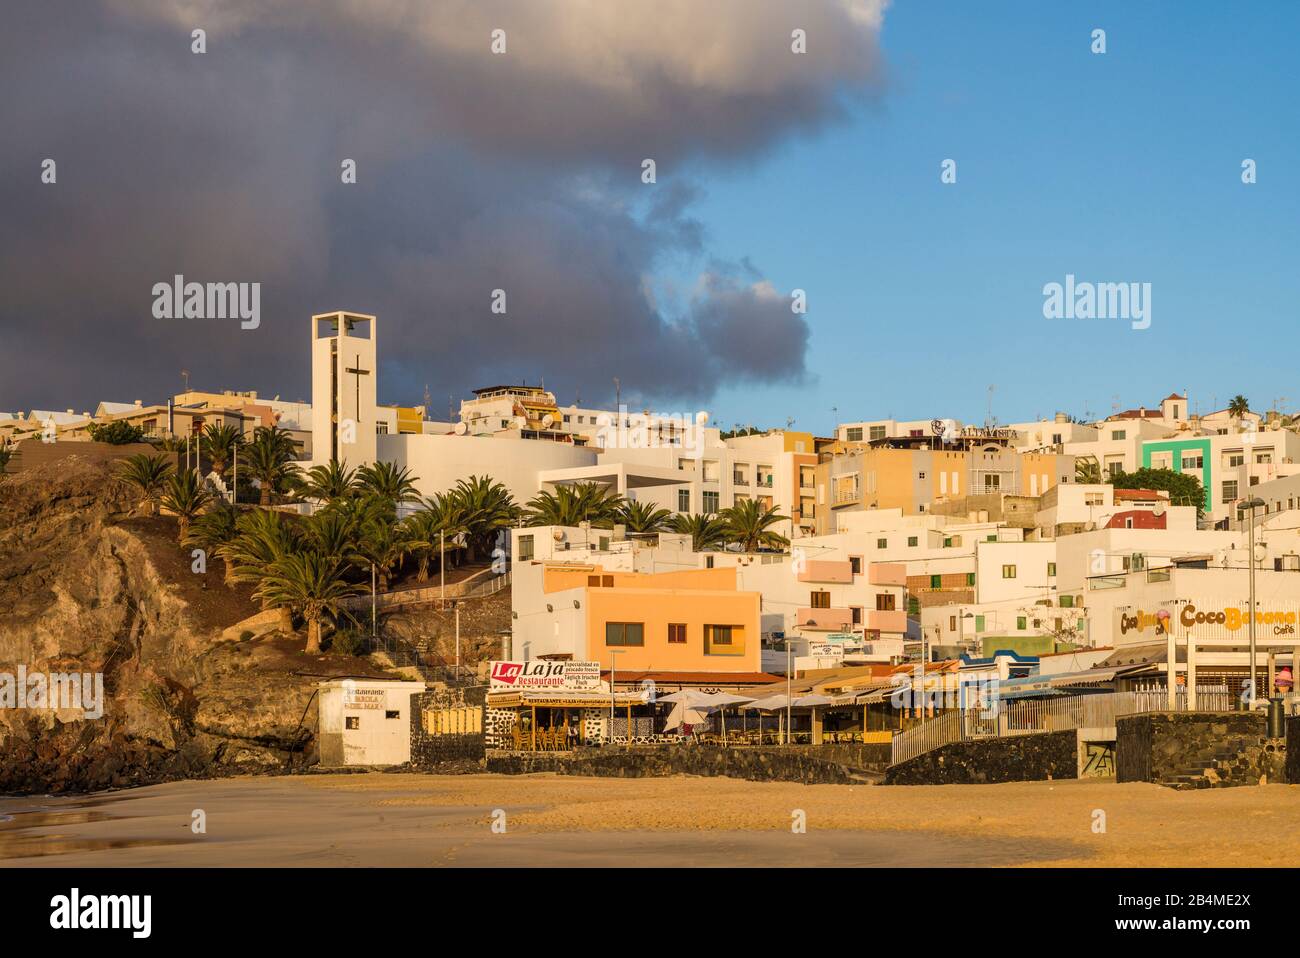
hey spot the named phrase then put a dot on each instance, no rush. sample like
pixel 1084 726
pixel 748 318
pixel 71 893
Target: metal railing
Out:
pixel 1035 716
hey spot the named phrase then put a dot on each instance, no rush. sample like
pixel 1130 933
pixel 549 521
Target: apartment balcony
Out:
pixel 826 620
pixel 844 497
pixel 887 573
pixel 765 482
pixel 739 480
pixel 887 621
pixel 826 570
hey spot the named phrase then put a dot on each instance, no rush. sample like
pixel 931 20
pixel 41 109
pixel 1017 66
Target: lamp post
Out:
pixel 613 663
pixel 1252 505
pixel 788 670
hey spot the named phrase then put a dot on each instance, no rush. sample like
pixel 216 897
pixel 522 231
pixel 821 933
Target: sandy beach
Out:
pixel 547 820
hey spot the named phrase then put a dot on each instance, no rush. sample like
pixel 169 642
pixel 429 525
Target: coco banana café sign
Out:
pixel 1206 621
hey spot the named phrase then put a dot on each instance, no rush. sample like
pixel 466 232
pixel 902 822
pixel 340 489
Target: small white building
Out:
pixel 366 721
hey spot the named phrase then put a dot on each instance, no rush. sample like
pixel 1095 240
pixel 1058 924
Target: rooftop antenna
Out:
pixel 186 374
pixel 988 421
pixel 427 400
pixel 1114 404
pixel 789 421
pixel 618 394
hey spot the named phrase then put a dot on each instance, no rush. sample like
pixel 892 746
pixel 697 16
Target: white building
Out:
pixel 365 721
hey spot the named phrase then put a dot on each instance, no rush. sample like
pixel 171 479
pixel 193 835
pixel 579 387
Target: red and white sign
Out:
pixel 544 674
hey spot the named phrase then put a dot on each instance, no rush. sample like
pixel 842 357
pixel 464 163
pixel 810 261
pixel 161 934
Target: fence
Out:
pixel 1032 716
pixel 479 585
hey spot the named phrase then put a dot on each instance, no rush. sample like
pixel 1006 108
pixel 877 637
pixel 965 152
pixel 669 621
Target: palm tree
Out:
pixel 5 455
pixel 331 533
pixel 382 543
pixel 642 517
pixel 270 459
pixel 214 530
pixel 747 523
pixel 1239 406
pixel 185 495
pixel 330 482
pixel 309 583
pixel 388 481
pixel 263 537
pixel 146 473
pixel 433 529
pixel 706 532
pixel 485 508
pixel 218 442
pixel 572 505
pixel 1087 470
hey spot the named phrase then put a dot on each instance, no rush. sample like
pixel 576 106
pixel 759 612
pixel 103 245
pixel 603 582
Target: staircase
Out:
pixel 1237 761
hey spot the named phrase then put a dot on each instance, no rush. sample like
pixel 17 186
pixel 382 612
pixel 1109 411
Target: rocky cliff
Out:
pixel 85 586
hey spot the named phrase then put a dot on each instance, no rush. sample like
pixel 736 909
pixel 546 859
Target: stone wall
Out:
pixel 429 751
pixel 1197 749
pixel 1019 758
pixel 808 764
pixel 1293 749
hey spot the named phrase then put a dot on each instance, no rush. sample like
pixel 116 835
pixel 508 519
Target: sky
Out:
pixel 775 172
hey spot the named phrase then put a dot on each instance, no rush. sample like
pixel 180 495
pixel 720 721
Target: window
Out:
pixel 993 537
pixel 1264 457
pixel 882 543
pixel 877 432
pixel 885 602
pixel 911 541
pixel 920 475
pixel 724 640
pixel 952 623
pixel 992 482
pixel 979 623
pixel 1230 490
pixel 936 582
pixel 683 500
pixel 352 722
pixel 947 542
pixel 525 548
pixel 853 434
pixel 1119 434
pixel 1051 569
pixel 1192 462
pixel 970 578
pixel 1056 438
pixel 856 614
pixel 1094 499
pixel 1020 623
pixel 820 600
pixel 1236 460
pixel 1254 480
pixel 1008 572
pixel 593 582
pixel 855 565
pixel 392 714
pixel 676 633
pixel 710 502
pixel 1067 602
pixel 624 633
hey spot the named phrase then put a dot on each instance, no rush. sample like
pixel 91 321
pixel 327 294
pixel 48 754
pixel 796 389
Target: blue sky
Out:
pixel 1116 167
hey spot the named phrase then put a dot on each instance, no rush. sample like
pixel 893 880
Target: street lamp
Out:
pixel 1252 505
pixel 613 662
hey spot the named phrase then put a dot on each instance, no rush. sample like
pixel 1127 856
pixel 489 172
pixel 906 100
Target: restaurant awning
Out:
pixel 559 699
pixel 1087 677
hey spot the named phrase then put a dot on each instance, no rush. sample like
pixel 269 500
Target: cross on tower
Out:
pixel 357 373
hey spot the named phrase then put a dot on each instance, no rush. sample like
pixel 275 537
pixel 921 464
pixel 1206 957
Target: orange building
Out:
pixel 692 620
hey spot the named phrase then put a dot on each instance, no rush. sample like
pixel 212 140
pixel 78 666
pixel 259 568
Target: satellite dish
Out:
pixel 461 429
pixel 701 417
pixel 548 420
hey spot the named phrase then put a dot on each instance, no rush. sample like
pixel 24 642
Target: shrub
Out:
pixel 348 642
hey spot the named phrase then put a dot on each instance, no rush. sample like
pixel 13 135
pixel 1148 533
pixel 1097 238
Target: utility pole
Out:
pixel 442 570
pixel 457 608
pixel 788 671
pixel 1252 505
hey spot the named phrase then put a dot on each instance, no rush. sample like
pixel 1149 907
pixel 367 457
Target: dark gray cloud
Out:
pixel 476 172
